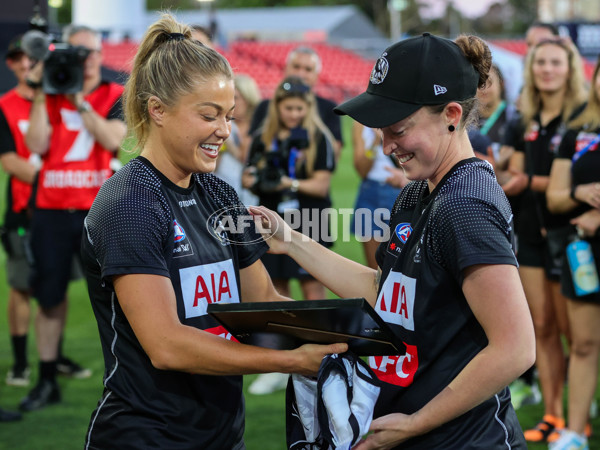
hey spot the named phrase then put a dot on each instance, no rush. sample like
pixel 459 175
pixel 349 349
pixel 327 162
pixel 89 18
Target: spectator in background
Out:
pixel 77 135
pixel 304 63
pixel 538 31
pixel 382 181
pixel 553 92
pixel 21 167
pixel 203 35
pixel 574 188
pixel 234 155
pixel 304 170
pixel 494 115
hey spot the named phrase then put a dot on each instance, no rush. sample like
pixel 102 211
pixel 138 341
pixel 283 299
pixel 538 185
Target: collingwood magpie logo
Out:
pixel 380 70
pixel 439 90
pixel 219 230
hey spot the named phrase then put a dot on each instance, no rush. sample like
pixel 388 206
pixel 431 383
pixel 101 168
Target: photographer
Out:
pixel 77 135
pixel 291 161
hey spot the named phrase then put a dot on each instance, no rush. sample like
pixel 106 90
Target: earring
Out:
pixel 451 128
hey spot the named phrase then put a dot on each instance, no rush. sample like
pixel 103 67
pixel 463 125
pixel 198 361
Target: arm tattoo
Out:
pixel 377 279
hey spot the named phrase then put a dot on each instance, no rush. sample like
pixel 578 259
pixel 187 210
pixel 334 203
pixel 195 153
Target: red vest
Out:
pixel 75 165
pixel 16 110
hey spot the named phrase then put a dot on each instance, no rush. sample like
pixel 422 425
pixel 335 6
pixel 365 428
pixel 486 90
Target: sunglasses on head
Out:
pixel 295 87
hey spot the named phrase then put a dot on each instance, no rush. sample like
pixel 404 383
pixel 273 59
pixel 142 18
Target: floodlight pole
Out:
pixel 394 9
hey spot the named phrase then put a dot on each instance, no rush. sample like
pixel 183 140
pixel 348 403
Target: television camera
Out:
pixel 276 162
pixel 63 63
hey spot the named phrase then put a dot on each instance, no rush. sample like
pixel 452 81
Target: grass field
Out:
pixel 63 427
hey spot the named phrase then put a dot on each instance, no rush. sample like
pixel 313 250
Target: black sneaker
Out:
pixel 69 368
pixel 9 416
pixel 45 393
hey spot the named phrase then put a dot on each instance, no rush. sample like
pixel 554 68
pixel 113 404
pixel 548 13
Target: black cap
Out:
pixel 424 70
pixel 14 47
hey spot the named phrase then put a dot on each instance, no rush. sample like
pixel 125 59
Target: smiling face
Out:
pixel 420 142
pixel 550 68
pixel 292 111
pixel 192 131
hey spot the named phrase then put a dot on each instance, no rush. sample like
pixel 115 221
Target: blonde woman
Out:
pixel 172 374
pixel 235 151
pixel 574 189
pixel 292 177
pixel 293 174
pixel 552 93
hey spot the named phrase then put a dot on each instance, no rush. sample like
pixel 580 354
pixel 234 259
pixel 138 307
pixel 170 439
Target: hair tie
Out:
pixel 176 36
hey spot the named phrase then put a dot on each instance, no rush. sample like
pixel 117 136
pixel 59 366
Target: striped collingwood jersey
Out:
pixel 16 111
pixel 75 165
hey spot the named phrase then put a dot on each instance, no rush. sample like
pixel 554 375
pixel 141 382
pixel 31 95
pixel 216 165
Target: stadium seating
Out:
pixel 344 73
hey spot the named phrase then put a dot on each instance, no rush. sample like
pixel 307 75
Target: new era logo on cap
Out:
pixel 438 90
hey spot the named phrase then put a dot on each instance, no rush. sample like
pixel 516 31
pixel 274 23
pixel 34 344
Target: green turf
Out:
pixel 63 426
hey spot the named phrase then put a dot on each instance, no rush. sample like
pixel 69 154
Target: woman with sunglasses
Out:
pixel 291 162
pixel 553 93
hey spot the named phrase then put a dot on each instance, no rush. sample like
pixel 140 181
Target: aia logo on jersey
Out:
pixel 398 370
pixel 206 284
pixel 396 301
pixel 179 232
pixel 221 332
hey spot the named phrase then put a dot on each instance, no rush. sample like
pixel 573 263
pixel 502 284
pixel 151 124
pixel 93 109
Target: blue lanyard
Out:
pixel 585 149
pixel 292 162
pixel 489 123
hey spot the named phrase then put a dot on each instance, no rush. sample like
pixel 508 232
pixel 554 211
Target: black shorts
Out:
pixel 536 255
pixel 55 241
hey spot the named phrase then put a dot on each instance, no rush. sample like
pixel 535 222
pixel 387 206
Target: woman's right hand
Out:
pixel 516 184
pixel 589 193
pixel 274 230
pixel 311 356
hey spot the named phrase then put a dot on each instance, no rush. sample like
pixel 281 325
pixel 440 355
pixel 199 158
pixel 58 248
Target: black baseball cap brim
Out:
pixel 376 111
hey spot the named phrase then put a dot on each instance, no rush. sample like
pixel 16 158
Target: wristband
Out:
pixel 572 194
pixel 529 180
pixel 84 107
pixel 295 186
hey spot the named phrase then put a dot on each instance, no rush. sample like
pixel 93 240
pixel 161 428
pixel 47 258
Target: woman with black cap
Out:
pixel 447 281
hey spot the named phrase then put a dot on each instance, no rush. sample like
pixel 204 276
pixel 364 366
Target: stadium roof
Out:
pixel 323 23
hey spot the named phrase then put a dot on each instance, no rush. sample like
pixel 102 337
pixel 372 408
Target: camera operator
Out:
pixel 291 161
pixel 77 135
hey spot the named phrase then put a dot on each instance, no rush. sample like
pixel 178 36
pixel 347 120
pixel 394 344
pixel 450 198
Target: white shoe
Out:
pixel 569 440
pixel 267 383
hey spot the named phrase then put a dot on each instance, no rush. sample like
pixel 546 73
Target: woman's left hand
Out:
pixel 588 223
pixel 589 193
pixel 388 432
